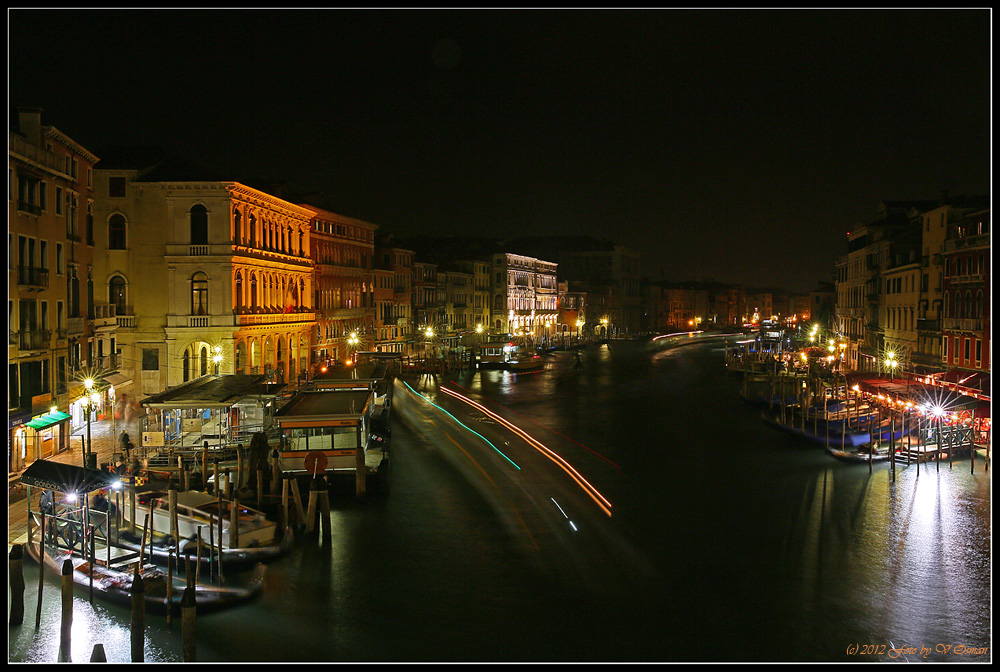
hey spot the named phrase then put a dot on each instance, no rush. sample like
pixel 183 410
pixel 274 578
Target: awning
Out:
pixel 48 420
pixel 116 379
pixel 66 477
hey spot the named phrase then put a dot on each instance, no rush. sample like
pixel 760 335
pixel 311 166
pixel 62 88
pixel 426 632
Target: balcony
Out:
pixel 106 362
pixel 34 339
pixel 968 324
pixel 125 321
pixel 252 319
pixel 75 326
pixel 35 154
pixel 967 242
pixel 928 325
pixel 29 208
pixel 974 279
pixel 33 278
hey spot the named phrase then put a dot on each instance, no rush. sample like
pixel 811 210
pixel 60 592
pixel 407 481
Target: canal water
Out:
pixel 722 539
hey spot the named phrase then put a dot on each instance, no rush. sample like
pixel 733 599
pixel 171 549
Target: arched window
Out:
pixel 979 305
pixel 968 304
pixel 204 360
pixel 116 294
pixel 252 225
pixel 199 225
pixel 946 305
pixel 253 292
pixel 187 366
pixel 116 232
pixel 199 294
pixel 239 292
pixel 238 227
pixel 238 357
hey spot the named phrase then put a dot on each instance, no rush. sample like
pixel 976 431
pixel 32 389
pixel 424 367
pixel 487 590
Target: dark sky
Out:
pixel 734 145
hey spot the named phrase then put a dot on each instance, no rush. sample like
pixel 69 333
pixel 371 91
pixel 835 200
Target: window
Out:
pixel 944 348
pixel 199 294
pixel 59 200
pixel 116 232
pixel 90 225
pixel 116 294
pixel 199 225
pixel 116 187
pixel 150 359
pixel 967 348
pixel 979 352
pixel 60 263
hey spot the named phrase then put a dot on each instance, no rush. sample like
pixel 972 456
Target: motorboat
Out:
pixel 526 362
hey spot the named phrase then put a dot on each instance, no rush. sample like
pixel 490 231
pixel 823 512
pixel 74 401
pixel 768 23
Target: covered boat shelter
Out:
pixel 328 431
pixel 222 410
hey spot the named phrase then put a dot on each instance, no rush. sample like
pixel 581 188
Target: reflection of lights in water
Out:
pixel 564 513
pixel 463 425
pixel 563 464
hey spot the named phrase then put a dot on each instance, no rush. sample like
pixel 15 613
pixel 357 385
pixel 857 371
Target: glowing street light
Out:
pixel 217 358
pixel 891 364
pixel 89 399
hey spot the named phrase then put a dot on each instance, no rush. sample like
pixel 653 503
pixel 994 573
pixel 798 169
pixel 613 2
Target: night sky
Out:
pixel 739 146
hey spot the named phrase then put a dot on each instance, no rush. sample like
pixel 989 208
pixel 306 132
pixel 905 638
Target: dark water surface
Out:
pixel 727 540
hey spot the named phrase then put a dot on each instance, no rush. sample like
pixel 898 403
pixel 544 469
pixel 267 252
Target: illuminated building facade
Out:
pixel 966 294
pixel 344 284
pixel 60 330
pixel 214 276
pixel 525 296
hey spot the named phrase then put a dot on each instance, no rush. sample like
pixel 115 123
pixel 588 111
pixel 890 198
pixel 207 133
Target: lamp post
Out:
pixel 891 364
pixel 217 358
pixel 89 398
pixel 352 342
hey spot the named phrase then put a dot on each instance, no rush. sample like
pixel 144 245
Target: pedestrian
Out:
pixel 47 503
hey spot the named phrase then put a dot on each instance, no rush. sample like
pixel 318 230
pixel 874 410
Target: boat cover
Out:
pixel 66 477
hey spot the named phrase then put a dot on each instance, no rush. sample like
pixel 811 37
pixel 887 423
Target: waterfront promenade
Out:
pixel 103 441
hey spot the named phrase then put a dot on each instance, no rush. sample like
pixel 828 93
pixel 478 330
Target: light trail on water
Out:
pixel 544 427
pixel 591 491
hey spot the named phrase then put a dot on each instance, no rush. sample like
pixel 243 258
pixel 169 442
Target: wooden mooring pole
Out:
pixel 188 615
pixel 138 622
pixel 16 569
pixel 66 624
pixel 41 570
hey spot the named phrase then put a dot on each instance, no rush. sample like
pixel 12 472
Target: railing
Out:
pixel 199 250
pixel 962 324
pixel 980 240
pixel 33 152
pixel 107 362
pixel 273 318
pixel 198 321
pixel 75 325
pixel 61 334
pixel 36 277
pixel 928 325
pixel 38 339
pixel 30 208
pixel 125 321
pixel 976 278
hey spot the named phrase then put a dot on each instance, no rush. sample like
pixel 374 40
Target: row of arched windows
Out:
pixel 269 291
pixel 267 234
pixel 961 305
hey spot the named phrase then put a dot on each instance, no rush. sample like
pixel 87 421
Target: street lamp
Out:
pixel 891 364
pixel 89 399
pixel 217 358
pixel 352 342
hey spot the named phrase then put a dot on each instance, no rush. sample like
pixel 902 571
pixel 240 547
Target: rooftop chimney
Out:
pixel 29 122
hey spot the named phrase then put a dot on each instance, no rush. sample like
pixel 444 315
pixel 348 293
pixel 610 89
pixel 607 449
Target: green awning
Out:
pixel 48 420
